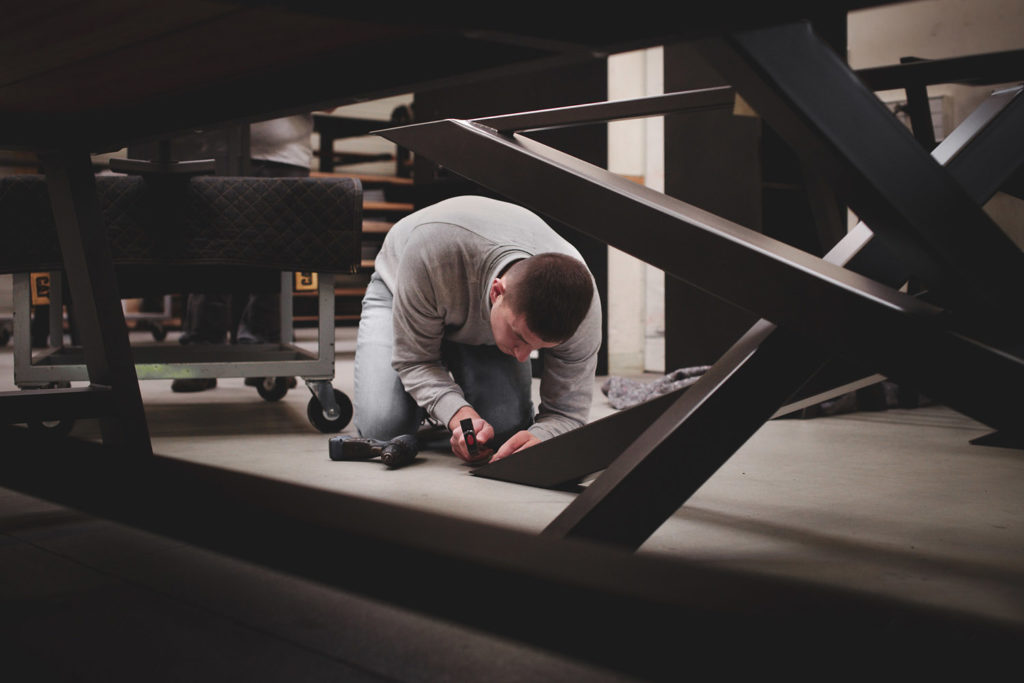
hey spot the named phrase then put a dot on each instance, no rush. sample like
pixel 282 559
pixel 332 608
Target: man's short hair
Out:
pixel 553 291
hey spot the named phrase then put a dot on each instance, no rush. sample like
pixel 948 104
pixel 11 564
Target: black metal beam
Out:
pixel 52 404
pixel 982 69
pixel 601 605
pixel 840 128
pixel 680 450
pixel 601 112
pixel 894 333
pixel 920 113
pixel 982 153
pixel 99 318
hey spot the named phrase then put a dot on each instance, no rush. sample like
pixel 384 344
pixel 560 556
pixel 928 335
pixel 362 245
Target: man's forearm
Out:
pixel 547 426
pixel 432 387
pixel 461 414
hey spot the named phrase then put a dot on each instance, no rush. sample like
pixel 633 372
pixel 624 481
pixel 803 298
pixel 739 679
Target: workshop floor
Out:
pixel 895 503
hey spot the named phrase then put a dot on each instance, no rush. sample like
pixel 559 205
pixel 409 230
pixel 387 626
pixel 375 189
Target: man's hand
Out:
pixel 518 442
pixel 484 433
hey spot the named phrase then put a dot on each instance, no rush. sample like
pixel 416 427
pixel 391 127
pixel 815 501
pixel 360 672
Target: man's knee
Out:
pixel 383 423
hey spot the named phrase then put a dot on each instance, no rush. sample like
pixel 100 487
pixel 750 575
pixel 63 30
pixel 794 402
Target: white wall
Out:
pixel 636 321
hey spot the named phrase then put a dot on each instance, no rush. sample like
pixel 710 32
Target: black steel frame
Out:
pixel 817 315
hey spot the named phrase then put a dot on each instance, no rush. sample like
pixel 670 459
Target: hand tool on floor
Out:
pixel 395 453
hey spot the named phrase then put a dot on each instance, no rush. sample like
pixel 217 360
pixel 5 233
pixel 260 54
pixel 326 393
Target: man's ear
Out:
pixel 497 289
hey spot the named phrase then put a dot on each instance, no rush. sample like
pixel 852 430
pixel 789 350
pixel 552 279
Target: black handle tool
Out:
pixel 469 434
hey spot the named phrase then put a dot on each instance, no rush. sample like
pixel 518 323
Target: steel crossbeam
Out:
pixel 841 129
pixel 897 335
pixel 688 436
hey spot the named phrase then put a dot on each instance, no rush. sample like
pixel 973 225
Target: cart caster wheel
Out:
pixel 5 335
pixel 315 413
pixel 272 388
pixel 56 429
pixel 159 332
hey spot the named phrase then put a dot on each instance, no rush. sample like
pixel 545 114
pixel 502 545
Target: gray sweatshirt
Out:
pixel 439 263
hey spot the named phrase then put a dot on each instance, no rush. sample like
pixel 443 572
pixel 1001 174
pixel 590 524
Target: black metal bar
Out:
pixel 99 318
pixel 681 239
pixel 894 333
pixel 677 453
pixel 982 69
pixel 981 154
pixel 601 605
pixel 920 112
pixel 52 404
pixel 1000 67
pixel 995 152
pixel 840 127
pixel 601 112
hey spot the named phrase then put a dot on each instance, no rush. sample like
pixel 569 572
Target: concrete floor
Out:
pixel 895 504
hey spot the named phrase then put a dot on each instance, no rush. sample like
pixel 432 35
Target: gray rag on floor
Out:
pixel 623 392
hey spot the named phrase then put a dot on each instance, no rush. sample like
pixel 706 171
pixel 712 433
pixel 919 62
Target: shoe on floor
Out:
pixel 189 385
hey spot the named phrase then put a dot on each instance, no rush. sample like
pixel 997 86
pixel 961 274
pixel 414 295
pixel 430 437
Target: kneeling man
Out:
pixel 462 293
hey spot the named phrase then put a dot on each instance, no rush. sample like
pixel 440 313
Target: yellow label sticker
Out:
pixel 305 282
pixel 40 289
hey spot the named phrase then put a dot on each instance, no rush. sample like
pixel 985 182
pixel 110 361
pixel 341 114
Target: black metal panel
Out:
pixel 564 460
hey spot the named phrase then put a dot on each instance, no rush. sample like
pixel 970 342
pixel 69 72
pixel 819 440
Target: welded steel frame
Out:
pixel 812 309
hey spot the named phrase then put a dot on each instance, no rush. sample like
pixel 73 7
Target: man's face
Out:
pixel 511 334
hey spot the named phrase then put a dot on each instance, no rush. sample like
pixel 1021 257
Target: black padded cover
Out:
pixel 290 224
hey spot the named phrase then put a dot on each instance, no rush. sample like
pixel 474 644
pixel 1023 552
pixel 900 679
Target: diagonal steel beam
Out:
pixel 839 127
pixel 99 316
pixel 896 334
pixel 720 97
pixel 685 438
pixel 982 154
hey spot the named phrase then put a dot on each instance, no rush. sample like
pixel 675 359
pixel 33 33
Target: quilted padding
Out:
pixel 300 224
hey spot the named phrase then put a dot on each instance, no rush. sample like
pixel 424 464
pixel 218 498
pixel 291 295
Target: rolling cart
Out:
pixel 283 223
